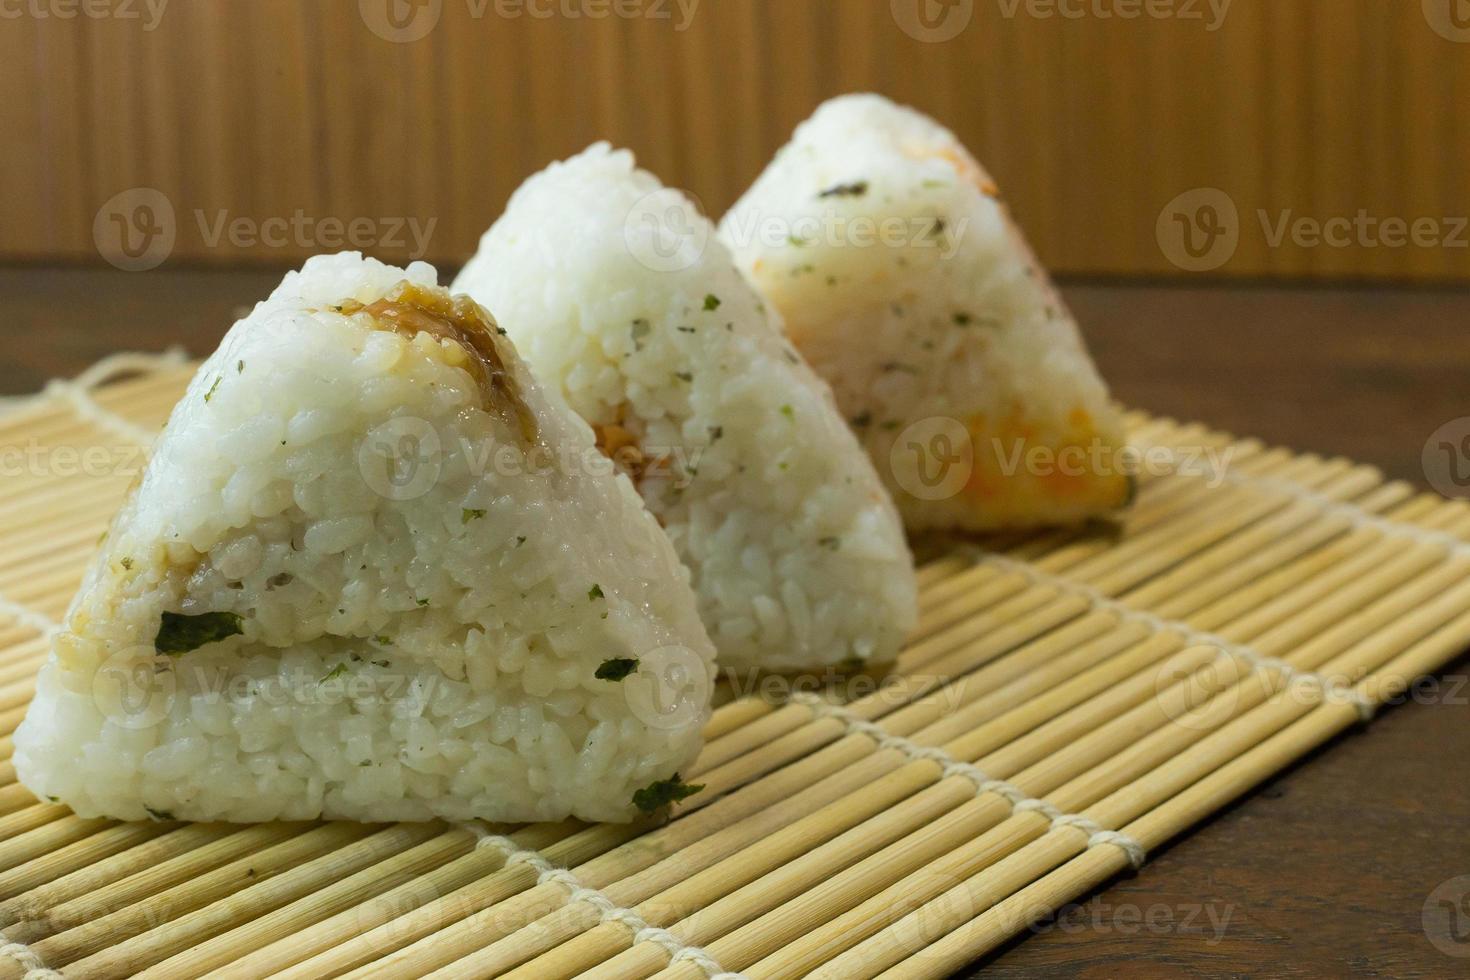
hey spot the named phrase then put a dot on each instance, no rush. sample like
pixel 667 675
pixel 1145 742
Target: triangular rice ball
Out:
pixel 616 290
pixel 368 575
pixel 904 282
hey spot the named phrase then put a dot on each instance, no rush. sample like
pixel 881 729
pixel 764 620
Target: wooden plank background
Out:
pixel 1092 123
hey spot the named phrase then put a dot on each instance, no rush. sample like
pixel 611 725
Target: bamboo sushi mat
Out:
pixel 1070 702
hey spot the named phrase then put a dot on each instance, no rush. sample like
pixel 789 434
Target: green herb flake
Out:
pixel 664 792
pixel 365 762
pixel 862 420
pixel 422 602
pixel 685 376
pixel 788 411
pixel 595 592
pixel 127 564
pixel 210 393
pixel 711 302
pixel 641 329
pixel 334 673
pixel 856 188
pixel 615 669
pixel 159 814
pixel 685 329
pixel 382 640
pixel 180 633
pixel 520 540
pixel 963 319
pixel 239 367
pixel 471 514
pixel 831 544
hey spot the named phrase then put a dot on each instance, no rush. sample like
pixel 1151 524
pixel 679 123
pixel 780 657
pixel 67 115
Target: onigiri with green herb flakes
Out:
pixel 903 280
pixel 617 292
pixel 332 595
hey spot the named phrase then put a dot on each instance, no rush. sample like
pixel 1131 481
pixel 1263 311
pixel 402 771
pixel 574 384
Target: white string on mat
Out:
pixel 27 959
pixel 1332 689
pixel 1019 799
pixel 27 616
pixel 1356 516
pixel 607 910
pixel 77 392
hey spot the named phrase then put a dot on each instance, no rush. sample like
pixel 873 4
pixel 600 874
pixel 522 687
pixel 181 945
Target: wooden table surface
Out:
pixel 1324 871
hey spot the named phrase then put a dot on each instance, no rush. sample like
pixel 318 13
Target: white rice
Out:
pixel 902 279
pixel 616 291
pixel 411 650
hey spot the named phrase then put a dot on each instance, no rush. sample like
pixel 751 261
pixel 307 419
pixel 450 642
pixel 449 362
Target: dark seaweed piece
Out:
pixel 664 792
pixel 855 189
pixel 616 669
pixel 180 633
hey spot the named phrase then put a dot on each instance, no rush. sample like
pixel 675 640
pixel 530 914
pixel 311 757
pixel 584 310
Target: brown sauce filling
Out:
pixel 411 309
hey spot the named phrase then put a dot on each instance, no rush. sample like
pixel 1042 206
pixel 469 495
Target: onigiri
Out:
pixel 373 571
pixel 901 277
pixel 616 291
